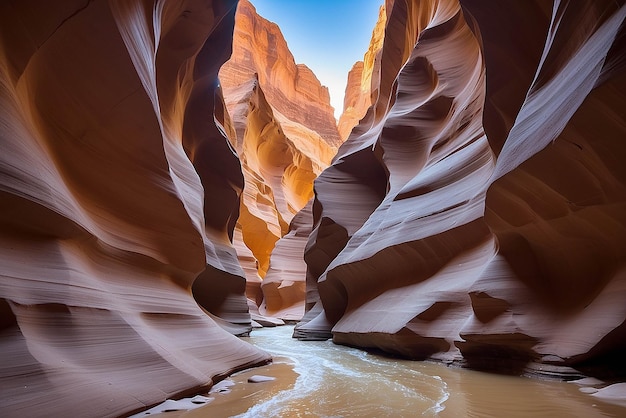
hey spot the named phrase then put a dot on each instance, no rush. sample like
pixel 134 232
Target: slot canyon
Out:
pixel 179 207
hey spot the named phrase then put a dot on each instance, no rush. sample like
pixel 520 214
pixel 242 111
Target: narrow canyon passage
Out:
pixel 172 180
pixel 322 379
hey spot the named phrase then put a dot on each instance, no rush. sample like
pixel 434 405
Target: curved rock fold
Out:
pixel 110 208
pixel 493 232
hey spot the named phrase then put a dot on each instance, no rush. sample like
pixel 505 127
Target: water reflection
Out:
pixel 337 381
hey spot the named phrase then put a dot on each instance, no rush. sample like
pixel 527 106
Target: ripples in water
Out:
pixel 337 381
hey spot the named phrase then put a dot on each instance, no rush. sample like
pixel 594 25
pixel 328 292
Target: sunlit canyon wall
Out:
pixel 118 188
pixel 362 83
pixel 477 213
pixel 285 135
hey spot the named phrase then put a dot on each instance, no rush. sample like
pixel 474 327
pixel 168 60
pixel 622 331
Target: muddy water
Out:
pixel 337 381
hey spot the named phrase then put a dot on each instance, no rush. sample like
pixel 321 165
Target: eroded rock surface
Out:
pixel 291 89
pixel 478 210
pixel 284 285
pixel 112 204
pixel 360 93
pixel 285 135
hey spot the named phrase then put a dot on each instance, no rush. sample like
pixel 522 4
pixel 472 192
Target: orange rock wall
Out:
pixel 360 92
pixel 284 285
pixel 476 213
pixel 285 135
pixel 112 204
pixel 291 89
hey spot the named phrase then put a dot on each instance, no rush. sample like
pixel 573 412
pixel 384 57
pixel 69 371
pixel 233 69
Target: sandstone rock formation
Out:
pixel 284 286
pixel 285 135
pixel 359 89
pixel 118 189
pixel 478 211
pixel 291 89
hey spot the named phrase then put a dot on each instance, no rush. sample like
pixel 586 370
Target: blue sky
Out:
pixel 329 36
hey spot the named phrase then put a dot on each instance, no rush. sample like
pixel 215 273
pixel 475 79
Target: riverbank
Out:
pixel 233 395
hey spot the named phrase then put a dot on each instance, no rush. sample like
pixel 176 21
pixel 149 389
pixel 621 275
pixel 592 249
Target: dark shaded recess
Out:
pixel 334 297
pixel 512 45
pixel 486 307
pixel 561 291
pixel 437 32
pixel 16 22
pixel 212 290
pixel 328 237
pixel 419 75
pixel 439 109
pixel 365 166
pixel 206 146
pixel 498 353
pixel 424 121
pixel 7 317
pixel 574 18
pixel 222 181
pixel 25 218
pixel 328 240
pixel 399 265
pixel 280 298
pixel 539 244
pixel 254 292
pixel 615 62
pixel 606 359
pixel 589 155
pixel 404 344
pixel 435 311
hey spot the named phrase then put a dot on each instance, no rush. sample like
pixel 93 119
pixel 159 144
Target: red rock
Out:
pixel 259 50
pixel 489 223
pixel 112 205
pixel 284 133
pixel 284 285
pixel 361 87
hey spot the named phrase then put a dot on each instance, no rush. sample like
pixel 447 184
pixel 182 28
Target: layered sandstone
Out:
pixel 285 135
pixel 360 93
pixel 112 205
pixel 259 49
pixel 284 285
pixel 477 212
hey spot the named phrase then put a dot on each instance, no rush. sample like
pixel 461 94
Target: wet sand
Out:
pixel 243 395
pixel 234 395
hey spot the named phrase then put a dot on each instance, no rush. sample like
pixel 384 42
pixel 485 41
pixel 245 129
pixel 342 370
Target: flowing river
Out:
pixel 321 379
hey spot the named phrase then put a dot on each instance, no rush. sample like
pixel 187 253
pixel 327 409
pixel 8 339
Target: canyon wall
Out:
pixel 477 213
pixel 360 93
pixel 118 190
pixel 285 134
pixel 291 89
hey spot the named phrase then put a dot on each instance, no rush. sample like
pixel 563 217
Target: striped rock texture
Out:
pixel 111 205
pixel 360 91
pixel 478 211
pixel 285 135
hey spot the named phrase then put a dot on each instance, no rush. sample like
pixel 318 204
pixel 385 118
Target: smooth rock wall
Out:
pixel 112 205
pixel 476 213
pixel 285 134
